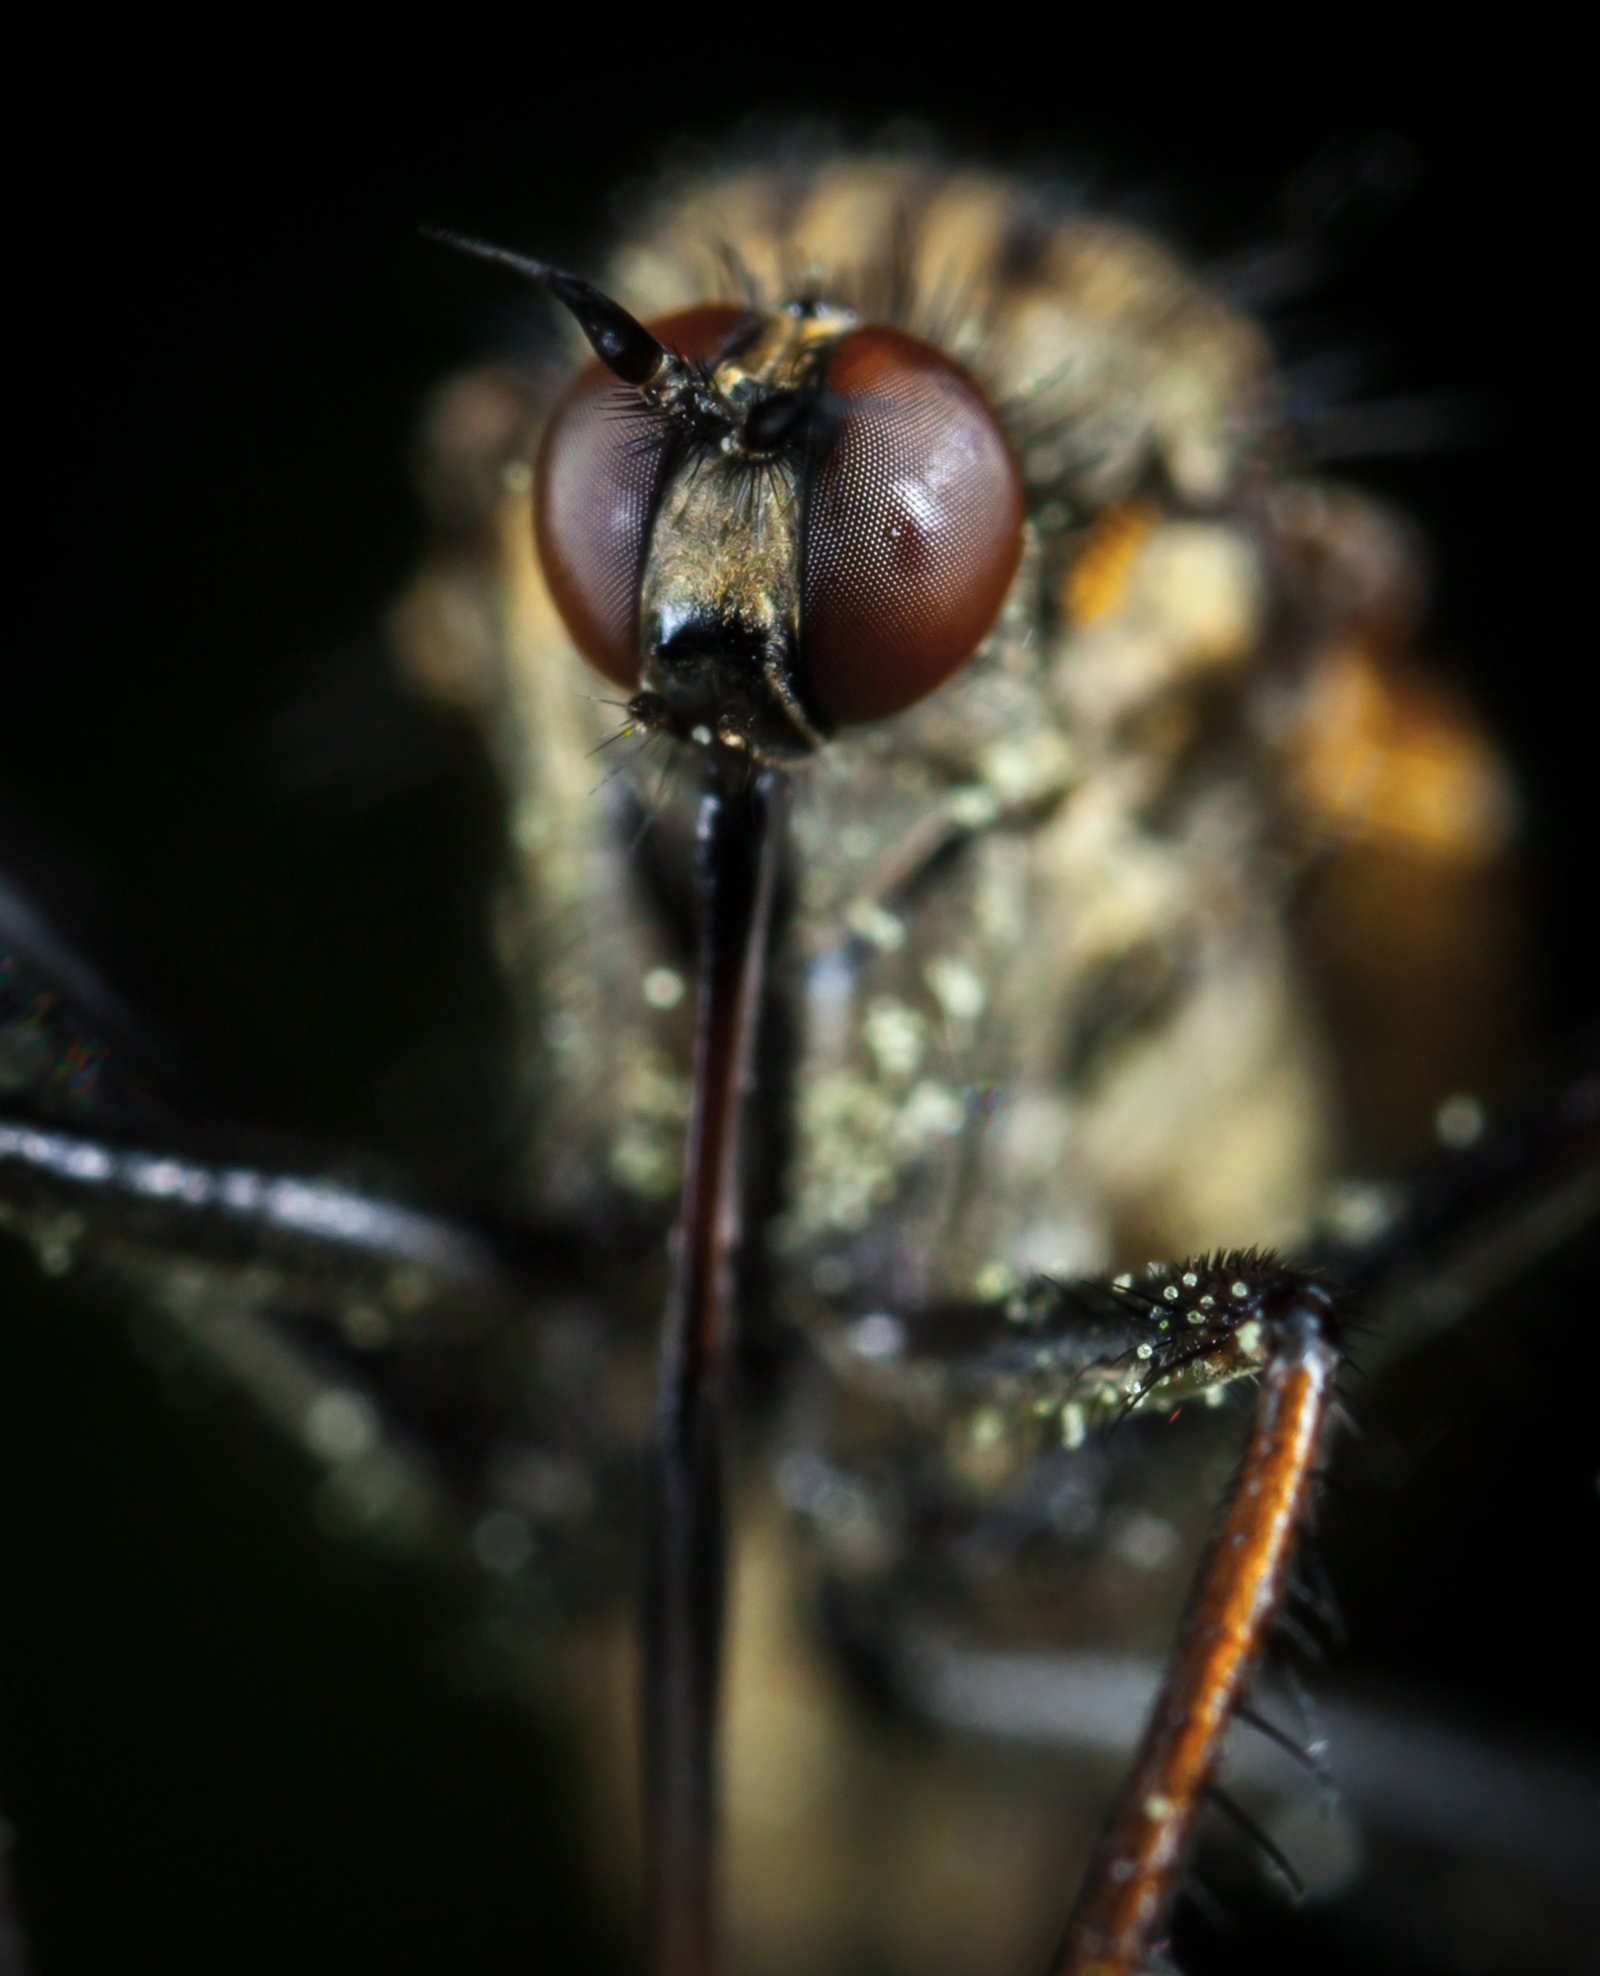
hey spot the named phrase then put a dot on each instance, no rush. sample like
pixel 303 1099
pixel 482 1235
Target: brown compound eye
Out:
pixel 595 489
pixel 913 531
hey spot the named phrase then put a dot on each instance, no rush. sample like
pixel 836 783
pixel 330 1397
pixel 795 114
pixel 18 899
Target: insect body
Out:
pixel 961 514
pixel 941 536
pixel 961 927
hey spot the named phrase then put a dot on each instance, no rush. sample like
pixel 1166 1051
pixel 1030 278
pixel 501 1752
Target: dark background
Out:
pixel 228 1744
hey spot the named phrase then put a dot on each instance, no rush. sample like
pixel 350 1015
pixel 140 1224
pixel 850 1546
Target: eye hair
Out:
pixel 624 406
pixel 690 415
pixel 673 766
pixel 758 479
pixel 880 287
pixel 740 275
pixel 627 730
pixel 650 806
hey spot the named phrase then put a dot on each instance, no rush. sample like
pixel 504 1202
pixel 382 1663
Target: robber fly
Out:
pixel 910 994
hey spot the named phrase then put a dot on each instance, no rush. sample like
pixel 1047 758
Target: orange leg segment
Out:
pixel 1122 1909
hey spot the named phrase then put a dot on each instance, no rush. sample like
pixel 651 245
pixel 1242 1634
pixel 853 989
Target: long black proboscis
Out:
pixel 683 1597
pixel 622 343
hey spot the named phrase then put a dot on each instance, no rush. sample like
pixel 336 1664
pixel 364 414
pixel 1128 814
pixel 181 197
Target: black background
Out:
pixel 228 1744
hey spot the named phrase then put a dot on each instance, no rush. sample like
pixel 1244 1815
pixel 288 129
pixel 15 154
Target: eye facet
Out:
pixel 598 475
pixel 913 531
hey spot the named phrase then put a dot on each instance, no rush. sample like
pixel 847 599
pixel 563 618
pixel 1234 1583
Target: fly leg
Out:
pixel 1121 1912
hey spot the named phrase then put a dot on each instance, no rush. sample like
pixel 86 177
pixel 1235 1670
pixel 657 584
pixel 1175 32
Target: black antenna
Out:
pixel 622 344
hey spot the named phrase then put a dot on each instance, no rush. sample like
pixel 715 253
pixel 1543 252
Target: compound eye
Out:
pixel 913 531
pixel 598 475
